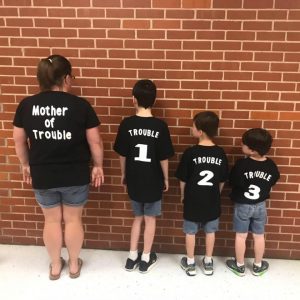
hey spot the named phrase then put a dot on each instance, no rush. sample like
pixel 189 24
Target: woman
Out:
pixel 55 135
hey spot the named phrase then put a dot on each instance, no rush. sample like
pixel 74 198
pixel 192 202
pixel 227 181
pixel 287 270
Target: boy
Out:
pixel 144 145
pixel 251 179
pixel 202 171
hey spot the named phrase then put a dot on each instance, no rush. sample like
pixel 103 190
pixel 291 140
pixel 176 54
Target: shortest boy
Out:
pixel 251 179
pixel 144 145
pixel 202 171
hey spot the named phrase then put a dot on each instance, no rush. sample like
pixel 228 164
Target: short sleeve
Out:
pixel 18 120
pixel 224 170
pixel 165 146
pixel 92 119
pixel 276 175
pixel 121 145
pixel 235 176
pixel 183 169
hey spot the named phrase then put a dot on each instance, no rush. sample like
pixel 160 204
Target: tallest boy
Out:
pixel 144 145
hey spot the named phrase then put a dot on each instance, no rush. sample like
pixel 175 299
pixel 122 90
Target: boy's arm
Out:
pixel 165 168
pixel 182 186
pixel 235 175
pixel 22 151
pixel 123 167
pixel 96 147
pixel 221 185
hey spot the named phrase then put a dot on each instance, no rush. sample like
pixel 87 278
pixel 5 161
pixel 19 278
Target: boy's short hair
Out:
pixel 208 122
pixel 145 93
pixel 258 139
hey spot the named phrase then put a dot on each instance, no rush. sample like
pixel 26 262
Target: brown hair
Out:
pixel 52 70
pixel 258 139
pixel 145 93
pixel 208 122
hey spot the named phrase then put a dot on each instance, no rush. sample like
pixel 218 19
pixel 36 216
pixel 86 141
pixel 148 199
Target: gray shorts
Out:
pixel 190 227
pixel 146 209
pixel 71 196
pixel 250 217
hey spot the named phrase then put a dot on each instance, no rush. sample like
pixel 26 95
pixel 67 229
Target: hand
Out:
pixel 123 180
pixel 97 176
pixel 166 183
pixel 26 174
pixel 181 198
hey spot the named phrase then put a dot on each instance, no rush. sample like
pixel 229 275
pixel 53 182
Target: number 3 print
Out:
pixel 253 192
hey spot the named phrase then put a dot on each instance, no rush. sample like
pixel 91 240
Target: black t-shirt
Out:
pixel 55 123
pixel 202 168
pixel 252 180
pixel 144 141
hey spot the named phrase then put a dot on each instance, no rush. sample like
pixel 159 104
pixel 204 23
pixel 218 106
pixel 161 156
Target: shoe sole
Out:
pixel 150 268
pixel 130 270
pixel 208 273
pixel 235 272
pixel 191 274
pixel 259 274
pixel 77 274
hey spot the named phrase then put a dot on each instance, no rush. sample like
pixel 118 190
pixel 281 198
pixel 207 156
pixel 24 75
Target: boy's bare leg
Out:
pixel 209 243
pixel 74 234
pixel 52 236
pixel 259 247
pixel 149 233
pixel 240 247
pixel 135 233
pixel 190 245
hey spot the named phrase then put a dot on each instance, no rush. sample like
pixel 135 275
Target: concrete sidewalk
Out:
pixel 24 275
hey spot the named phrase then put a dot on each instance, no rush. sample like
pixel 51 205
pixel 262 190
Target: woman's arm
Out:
pixel 96 147
pixel 22 150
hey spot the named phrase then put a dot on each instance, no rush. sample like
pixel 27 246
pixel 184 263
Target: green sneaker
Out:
pixel 208 268
pixel 232 265
pixel 258 271
pixel 190 270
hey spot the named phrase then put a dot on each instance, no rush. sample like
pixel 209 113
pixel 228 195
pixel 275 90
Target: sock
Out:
pixel 207 259
pixel 133 254
pixel 239 265
pixel 146 257
pixel 190 261
pixel 258 264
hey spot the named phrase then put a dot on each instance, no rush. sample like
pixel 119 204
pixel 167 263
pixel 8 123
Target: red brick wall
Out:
pixel 239 58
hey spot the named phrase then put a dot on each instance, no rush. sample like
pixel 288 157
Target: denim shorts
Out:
pixel 71 196
pixel 146 209
pixel 190 227
pixel 250 217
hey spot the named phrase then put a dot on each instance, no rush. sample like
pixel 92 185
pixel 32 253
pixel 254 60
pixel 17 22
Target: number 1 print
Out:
pixel 143 149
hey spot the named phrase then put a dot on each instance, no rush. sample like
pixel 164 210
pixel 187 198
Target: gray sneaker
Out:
pixel 190 270
pixel 232 265
pixel 258 271
pixel 208 268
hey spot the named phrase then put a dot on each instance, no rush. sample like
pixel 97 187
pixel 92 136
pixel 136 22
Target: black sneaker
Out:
pixel 133 264
pixel 231 265
pixel 190 269
pixel 258 271
pixel 145 267
pixel 208 268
